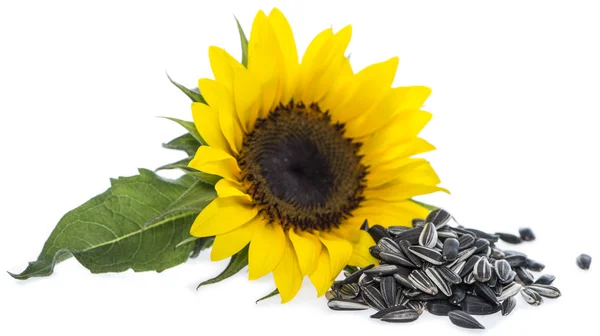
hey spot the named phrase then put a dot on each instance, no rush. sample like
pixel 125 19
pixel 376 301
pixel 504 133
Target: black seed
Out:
pixel 524 275
pixel 383 312
pixel 382 270
pixel 509 238
pixel 480 234
pixel 420 280
pixel 498 288
pixel 417 222
pixel 516 260
pixel 411 235
pixel 532 297
pixel 427 254
pixel 349 291
pixel 534 265
pixel 401 316
pixel 547 291
pixel 396 258
pixel 493 279
pixel 469 279
pixel 354 277
pixel 439 218
pixel 403 280
pixel 465 241
pixel 396 230
pixel 466 254
pixel 584 261
pixel 449 275
pixel 404 245
pixel 481 245
pixel 365 280
pixel 418 306
pixel 546 279
pixel 458 267
pixel 412 293
pixel 428 237
pixel 458 295
pixel 386 244
pixel 346 304
pixel 440 308
pixel 464 320
pixel 365 225
pixel 441 283
pixel 468 268
pixel 508 305
pixel 374 250
pixel 482 270
pixel 426 297
pixel 478 306
pixel 450 249
pixel 444 233
pixel 510 290
pixel 526 234
pixel 497 254
pixel 485 292
pixel 388 290
pixel 378 232
pixel 373 298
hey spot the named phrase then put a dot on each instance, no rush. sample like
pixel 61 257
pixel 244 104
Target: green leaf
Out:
pixel 244 42
pixel 350 269
pixel 236 263
pixel 181 164
pixel 190 127
pixel 201 245
pixel 425 205
pixel 186 143
pixel 205 178
pixel 108 233
pixel 194 96
pixel 273 293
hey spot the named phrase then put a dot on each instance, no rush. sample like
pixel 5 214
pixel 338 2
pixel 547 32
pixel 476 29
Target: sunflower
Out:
pixel 306 151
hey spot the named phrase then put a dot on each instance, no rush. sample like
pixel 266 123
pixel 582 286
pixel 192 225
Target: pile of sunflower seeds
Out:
pixel 448 271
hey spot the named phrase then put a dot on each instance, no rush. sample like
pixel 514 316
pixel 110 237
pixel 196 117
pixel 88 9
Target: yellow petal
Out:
pixel 287 44
pixel 222 215
pixel 340 251
pixel 266 250
pixel 223 66
pixel 227 188
pixel 214 161
pixel 396 152
pixel 401 191
pixel 367 87
pixel 414 171
pixel 321 276
pixel 309 57
pixel 220 98
pixel 390 213
pixel 361 256
pixel 308 248
pixel 206 120
pixel 232 242
pixel 247 97
pixel 400 129
pixel 287 274
pixel 265 61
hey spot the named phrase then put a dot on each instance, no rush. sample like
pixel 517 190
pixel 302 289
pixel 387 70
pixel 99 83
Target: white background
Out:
pixel 515 104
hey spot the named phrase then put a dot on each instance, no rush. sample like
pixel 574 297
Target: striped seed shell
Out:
pixel 469 279
pixel 399 297
pixel 439 217
pixel 546 279
pixel 535 266
pixel 349 291
pixel 388 290
pixel 418 306
pixel 450 249
pixel 396 230
pixel 346 304
pixel 464 320
pixel 386 244
pixel 428 236
pixel 365 280
pixel 493 279
pixel 458 267
pixel 481 234
pixel 330 295
pixel 404 245
pixel 377 232
pixel 373 298
pixel 468 268
pixel 396 258
pixel 524 275
pixel 382 270
pixel 418 222
pixel 465 241
pixel 386 311
pixel 404 281
pixel 420 280
pixel 427 254
pixel 450 276
pixel 532 297
pixel 584 261
pixel 374 250
pixel 481 244
pixel 411 235
pixel 546 291
pixel 426 297
pixel 441 283
pixel 411 293
pixel 354 277
pixel 466 254
pixel 503 270
pixel 509 238
pixel 509 291
pixel 497 254
pixel 516 260
pixel 508 305
pixel 485 292
pixel 526 234
pixel 440 308
pixel 401 316
pixel 444 234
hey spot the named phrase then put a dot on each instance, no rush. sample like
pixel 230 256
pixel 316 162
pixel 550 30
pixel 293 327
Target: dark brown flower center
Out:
pixel 301 170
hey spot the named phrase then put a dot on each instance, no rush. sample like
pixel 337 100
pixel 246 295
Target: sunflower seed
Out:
pixel 401 316
pixel 439 245
pixel 449 275
pixel 345 304
pixel 508 305
pixel 450 249
pixel 396 259
pixel 584 261
pixel 532 297
pixel 511 278
pixel 524 275
pixel 458 267
pixel 411 293
pixel 516 260
pixel 386 244
pixel 440 308
pixel 466 241
pixel 388 290
pixel 386 311
pixel 509 291
pixel 418 306
pixel 404 245
pixel 466 254
pixel 396 230
pixel 485 292
pixel 330 295
pixel 435 276
pixel 443 234
pixel 493 279
pixel 546 291
pixel 478 306
pixel 482 245
pixel 469 265
pixel 427 254
pixel 503 270
pixel 469 279
pixel 526 234
pixel 354 277
pixel 365 225
pixel 420 280
pixel 426 297
pixel 399 297
pixel 497 254
pixel 418 222
pixel 382 270
pixel 374 250
pixel 411 235
pixel 480 234
pixel 373 298
pixel 464 320
pixel 458 295
pixel 403 280
pixel 365 280
pixel 546 279
pixel 509 238
pixel 535 266
pixel 498 289
pixel 377 232
pixel 349 291
pixel 439 217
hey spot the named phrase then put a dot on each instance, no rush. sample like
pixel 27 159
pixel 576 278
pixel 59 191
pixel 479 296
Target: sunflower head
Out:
pixel 306 151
